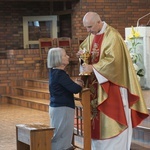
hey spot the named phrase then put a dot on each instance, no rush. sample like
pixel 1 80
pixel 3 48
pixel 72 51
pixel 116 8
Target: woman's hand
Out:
pixel 79 82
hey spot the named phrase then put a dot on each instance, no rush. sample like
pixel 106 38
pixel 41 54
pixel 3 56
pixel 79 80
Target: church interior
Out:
pixel 28 29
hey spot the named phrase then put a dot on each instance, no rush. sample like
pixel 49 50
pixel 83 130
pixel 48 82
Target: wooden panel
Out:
pixel 23 135
pixel 37 136
pixel 84 105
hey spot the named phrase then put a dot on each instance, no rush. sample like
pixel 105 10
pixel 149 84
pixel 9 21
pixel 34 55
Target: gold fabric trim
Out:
pixel 116 65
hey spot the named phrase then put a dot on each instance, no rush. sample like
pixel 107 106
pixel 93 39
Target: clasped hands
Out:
pixel 79 82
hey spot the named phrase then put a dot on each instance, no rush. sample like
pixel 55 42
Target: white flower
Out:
pixel 135 56
pixel 136 67
pixel 138 78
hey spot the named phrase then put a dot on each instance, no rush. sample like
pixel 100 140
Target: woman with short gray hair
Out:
pixel 62 105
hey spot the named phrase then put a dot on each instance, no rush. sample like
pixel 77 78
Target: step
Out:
pixel 137 146
pixel 35 89
pixel 141 136
pixel 30 102
pixel 34 92
pixel 39 83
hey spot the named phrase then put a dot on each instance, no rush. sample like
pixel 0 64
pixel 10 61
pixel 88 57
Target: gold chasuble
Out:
pixel 110 58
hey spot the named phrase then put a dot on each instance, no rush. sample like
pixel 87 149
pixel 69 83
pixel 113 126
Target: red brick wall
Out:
pixel 25 63
pixel 117 13
pixel 20 64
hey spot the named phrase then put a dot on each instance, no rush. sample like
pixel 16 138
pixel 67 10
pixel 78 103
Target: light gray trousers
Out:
pixel 62 119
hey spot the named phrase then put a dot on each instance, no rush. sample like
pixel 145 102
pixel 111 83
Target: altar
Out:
pixel 144 50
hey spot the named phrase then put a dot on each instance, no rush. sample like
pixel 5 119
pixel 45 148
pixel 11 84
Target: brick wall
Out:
pixel 117 13
pixel 18 65
pixel 25 63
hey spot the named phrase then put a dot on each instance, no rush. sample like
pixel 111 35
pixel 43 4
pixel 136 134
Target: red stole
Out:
pixel 93 85
pixel 95 55
pixel 118 112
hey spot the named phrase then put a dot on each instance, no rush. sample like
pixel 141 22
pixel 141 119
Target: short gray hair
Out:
pixel 54 57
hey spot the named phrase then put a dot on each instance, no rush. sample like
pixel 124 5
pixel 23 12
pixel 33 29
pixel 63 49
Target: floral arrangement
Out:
pixel 135 56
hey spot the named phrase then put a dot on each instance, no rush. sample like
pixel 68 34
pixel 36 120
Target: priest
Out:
pixel 117 104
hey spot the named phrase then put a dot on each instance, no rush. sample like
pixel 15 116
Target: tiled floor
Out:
pixel 11 115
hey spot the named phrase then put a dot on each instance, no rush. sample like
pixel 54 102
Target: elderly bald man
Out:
pixel 117 104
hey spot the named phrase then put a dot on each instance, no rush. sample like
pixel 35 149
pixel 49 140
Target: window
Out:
pixel 35 27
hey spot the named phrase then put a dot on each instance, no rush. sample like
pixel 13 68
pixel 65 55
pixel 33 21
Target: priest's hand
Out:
pixel 87 68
